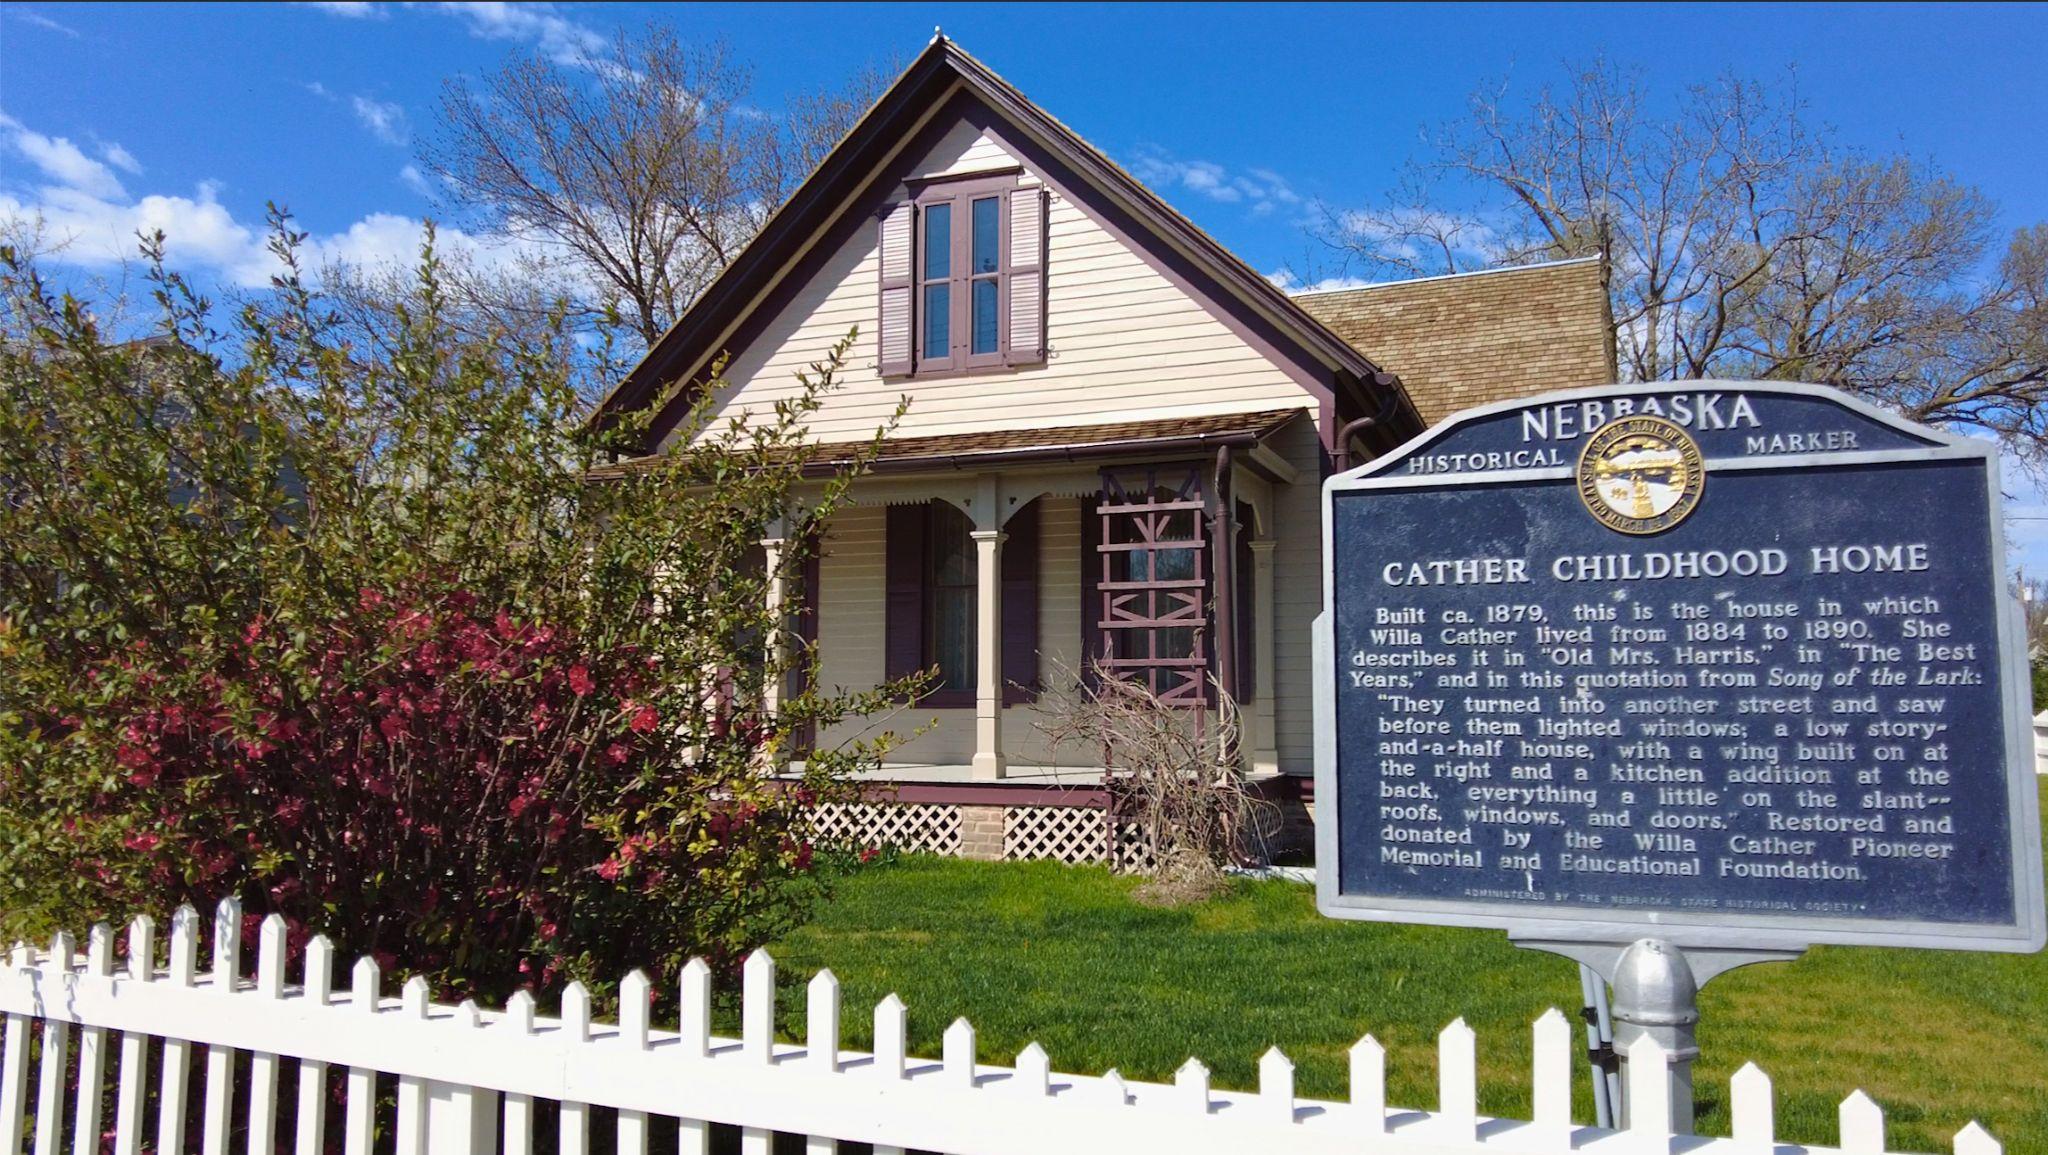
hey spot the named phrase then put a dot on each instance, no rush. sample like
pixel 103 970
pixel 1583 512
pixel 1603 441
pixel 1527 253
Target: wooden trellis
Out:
pixel 1152 579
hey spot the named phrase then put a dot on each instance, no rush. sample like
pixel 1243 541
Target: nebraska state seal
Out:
pixel 1641 475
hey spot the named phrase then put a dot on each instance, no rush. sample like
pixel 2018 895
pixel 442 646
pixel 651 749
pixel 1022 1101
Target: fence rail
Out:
pixel 472 1081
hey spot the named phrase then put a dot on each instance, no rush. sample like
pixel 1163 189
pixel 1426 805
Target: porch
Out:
pixel 1176 553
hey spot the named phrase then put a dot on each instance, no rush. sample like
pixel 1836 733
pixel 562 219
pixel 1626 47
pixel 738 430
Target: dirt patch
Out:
pixel 1186 876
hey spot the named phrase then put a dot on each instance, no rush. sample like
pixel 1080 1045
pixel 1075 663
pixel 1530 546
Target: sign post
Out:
pixel 1675 678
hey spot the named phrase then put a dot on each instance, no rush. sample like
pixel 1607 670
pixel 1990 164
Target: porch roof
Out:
pixel 984 448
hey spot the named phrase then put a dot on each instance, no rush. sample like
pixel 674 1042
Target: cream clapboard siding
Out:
pixel 852 632
pixel 1127 344
pixel 1297 596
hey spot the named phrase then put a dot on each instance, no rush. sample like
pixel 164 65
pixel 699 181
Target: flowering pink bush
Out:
pixel 338 623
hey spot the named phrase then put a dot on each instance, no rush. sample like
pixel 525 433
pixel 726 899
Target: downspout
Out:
pixel 1390 391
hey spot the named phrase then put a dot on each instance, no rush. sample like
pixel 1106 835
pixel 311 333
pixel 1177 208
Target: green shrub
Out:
pixel 331 618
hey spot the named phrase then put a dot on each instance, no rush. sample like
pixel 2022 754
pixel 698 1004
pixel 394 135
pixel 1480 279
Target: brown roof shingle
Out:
pixel 1475 338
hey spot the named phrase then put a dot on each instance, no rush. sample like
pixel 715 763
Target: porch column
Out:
pixel 771 686
pixel 1265 752
pixel 988 634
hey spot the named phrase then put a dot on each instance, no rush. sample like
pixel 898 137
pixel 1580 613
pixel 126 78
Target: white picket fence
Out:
pixel 471 1081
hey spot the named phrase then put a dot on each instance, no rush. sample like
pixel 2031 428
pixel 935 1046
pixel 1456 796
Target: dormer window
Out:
pixel 962 278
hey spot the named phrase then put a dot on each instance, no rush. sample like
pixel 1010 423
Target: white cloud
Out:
pixel 1419 238
pixel 541 25
pixel 385 119
pixel 35 19
pixel 120 157
pixel 60 160
pixel 352 9
pixel 1287 282
pixel 90 222
pixel 416 180
pixel 1261 190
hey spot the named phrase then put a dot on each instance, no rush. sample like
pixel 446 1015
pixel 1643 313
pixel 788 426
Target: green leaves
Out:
pixel 236 568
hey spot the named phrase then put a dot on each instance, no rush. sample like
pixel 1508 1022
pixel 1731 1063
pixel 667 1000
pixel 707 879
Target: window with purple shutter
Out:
pixel 963 278
pixel 930 572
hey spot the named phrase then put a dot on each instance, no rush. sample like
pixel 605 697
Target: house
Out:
pixel 1115 438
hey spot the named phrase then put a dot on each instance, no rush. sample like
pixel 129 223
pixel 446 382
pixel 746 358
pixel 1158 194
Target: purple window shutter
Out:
pixel 904 550
pixel 893 320
pixel 1020 607
pixel 1027 277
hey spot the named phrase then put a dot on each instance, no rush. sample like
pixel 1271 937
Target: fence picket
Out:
pixel 1648 1101
pixel 316 982
pixel 1975 1140
pixel 574 1130
pixel 956 1051
pixel 1191 1086
pixel 821 1043
pixel 220 1061
pixel 517 1021
pixel 1751 1110
pixel 694 993
pixel 411 1132
pixel 1552 1076
pixel 365 981
pixel 177 1074
pixel 134 1060
pixel 1114 1090
pixel 14 1067
pixel 56 1058
pixel 1276 1085
pixel 1034 1072
pixel 263 1080
pixel 892 1030
pixel 635 996
pixel 1457 1076
pixel 92 1050
pixel 1862 1125
pixel 892 1027
pixel 1369 1084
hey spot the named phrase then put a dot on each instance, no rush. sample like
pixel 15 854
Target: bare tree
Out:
pixel 1739 241
pixel 634 176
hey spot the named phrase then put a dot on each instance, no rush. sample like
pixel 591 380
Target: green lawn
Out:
pixel 1062 955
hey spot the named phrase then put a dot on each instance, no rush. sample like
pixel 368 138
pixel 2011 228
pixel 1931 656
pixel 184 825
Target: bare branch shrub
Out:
pixel 1176 774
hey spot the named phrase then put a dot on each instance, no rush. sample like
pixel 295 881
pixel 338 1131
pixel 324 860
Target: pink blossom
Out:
pixel 579 680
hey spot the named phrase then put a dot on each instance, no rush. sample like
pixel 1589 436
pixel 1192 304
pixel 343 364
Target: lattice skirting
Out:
pixel 1069 833
pixel 932 828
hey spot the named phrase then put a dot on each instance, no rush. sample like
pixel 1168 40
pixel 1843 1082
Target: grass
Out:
pixel 1062 955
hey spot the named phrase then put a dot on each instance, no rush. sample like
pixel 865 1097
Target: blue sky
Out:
pixel 191 116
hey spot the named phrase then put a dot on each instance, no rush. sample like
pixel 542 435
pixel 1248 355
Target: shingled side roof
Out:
pixel 1475 338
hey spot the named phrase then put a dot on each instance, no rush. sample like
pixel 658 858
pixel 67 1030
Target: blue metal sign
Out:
pixel 1733 661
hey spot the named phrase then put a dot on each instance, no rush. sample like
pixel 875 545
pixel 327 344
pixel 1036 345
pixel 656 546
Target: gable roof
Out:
pixel 1351 383
pixel 1475 338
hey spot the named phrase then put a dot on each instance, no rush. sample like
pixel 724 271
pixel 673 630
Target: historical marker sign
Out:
pixel 1732 664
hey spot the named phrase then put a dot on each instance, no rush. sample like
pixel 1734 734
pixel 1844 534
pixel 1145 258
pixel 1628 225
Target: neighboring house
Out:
pixel 1116 435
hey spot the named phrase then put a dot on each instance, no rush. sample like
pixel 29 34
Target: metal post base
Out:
pixel 1656 996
